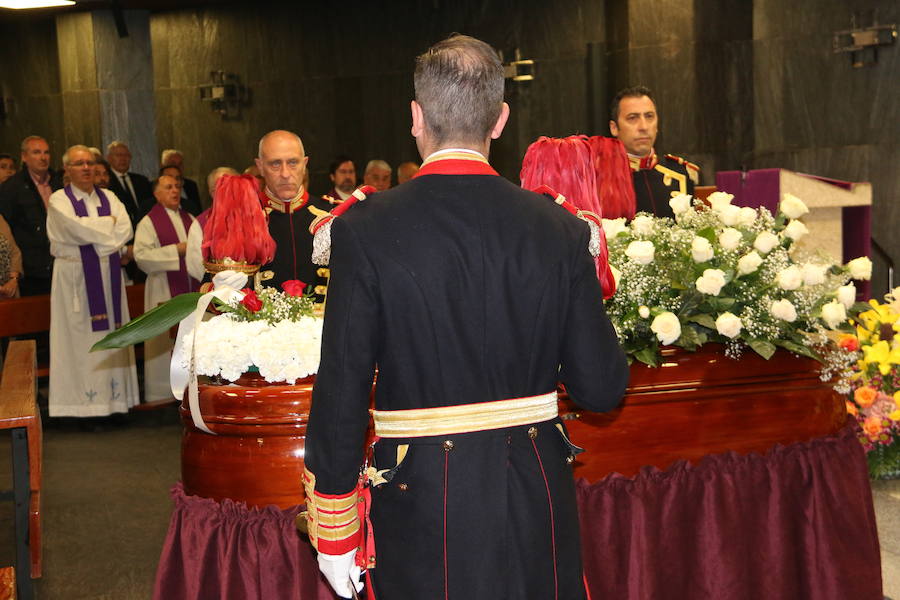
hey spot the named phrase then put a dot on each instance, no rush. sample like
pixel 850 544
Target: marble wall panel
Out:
pixel 660 22
pixel 81 119
pixel 29 81
pixel 75 47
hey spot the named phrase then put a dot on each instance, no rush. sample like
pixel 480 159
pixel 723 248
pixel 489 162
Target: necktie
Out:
pixel 127 188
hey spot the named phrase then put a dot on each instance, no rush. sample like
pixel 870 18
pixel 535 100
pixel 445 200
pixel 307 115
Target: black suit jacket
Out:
pixel 190 200
pixel 137 207
pixel 23 208
pixel 462 289
pixel 653 188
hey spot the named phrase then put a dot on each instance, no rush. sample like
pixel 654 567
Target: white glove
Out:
pixel 232 279
pixel 340 570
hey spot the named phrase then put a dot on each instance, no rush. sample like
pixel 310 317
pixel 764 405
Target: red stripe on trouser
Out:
pixel 552 526
pixel 446 577
pixel 587 592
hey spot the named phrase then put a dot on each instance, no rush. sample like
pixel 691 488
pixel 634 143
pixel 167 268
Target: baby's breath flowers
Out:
pixel 728 274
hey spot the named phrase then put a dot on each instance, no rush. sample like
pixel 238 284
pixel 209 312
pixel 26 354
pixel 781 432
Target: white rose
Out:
pixel 641 252
pixel 795 230
pixel 617 275
pixel 792 206
pixel 730 238
pixel 846 295
pixel 860 268
pixel 680 203
pixel 730 215
pixel 765 241
pixel 667 327
pixel 784 310
pixel 712 282
pixel 644 312
pixel 790 278
pixel 719 200
pixel 729 325
pixel 834 314
pixel 749 263
pixel 613 227
pixel 642 225
pixel 701 249
pixel 748 216
pixel 814 274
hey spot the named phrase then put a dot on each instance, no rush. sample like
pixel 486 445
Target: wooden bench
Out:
pixel 23 316
pixel 20 415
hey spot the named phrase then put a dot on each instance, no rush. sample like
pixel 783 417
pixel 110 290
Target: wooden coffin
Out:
pixel 257 456
pixel 699 403
pixel 696 403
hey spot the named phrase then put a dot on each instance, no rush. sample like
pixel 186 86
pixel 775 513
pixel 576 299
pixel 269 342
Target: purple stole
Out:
pixel 179 281
pixel 90 264
pixel 203 217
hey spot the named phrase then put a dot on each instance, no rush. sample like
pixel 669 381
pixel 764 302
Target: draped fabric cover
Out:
pixel 224 551
pixel 796 523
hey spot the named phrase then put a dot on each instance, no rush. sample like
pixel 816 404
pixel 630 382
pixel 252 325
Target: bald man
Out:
pixel 282 164
pixel 406 171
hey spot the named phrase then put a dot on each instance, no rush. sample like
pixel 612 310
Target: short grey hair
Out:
pixel 377 163
pixel 75 148
pixel 31 138
pixel 116 144
pixel 459 85
pixel 214 175
pixel 167 153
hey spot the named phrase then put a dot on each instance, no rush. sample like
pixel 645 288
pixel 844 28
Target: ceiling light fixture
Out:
pixel 22 4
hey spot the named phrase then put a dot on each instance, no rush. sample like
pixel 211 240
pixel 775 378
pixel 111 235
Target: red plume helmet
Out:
pixel 237 227
pixel 569 166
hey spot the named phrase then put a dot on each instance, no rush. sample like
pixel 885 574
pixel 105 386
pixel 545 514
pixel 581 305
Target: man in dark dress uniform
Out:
pixel 634 121
pixel 23 203
pixel 291 209
pixel 473 298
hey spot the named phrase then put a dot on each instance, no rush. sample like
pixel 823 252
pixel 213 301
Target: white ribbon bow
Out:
pixel 226 286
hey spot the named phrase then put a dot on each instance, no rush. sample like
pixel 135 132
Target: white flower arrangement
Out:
pixel 275 333
pixel 723 273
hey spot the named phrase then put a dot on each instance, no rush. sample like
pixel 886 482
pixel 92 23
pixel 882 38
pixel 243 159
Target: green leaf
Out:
pixel 763 348
pixel 798 349
pixel 689 339
pixel 648 356
pixel 709 233
pixel 704 320
pixel 150 324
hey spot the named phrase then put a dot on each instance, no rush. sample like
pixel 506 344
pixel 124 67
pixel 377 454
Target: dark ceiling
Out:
pixel 82 5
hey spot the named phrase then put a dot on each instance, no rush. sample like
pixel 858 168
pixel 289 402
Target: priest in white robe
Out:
pixel 88 228
pixel 160 243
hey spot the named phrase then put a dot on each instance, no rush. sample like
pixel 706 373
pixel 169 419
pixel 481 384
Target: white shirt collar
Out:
pixel 119 175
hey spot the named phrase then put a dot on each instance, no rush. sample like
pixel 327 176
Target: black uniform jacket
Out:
pixel 656 179
pixel 137 207
pixel 462 289
pixel 23 208
pixel 293 244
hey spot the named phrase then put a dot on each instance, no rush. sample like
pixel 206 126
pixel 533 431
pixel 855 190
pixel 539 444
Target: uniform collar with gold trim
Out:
pixel 456 161
pixel 286 206
pixel 643 162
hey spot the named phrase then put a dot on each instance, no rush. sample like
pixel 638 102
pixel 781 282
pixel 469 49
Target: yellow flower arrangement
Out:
pixel 875 401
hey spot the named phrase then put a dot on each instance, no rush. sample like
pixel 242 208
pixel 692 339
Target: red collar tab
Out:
pixel 456 163
pixel 646 162
pixel 285 206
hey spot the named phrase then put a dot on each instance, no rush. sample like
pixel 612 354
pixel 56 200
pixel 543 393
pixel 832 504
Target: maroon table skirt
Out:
pixel 795 523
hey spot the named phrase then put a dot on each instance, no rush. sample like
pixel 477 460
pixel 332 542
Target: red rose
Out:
pixel 293 287
pixel 251 301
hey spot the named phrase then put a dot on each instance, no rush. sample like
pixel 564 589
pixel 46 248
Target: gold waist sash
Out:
pixel 465 418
